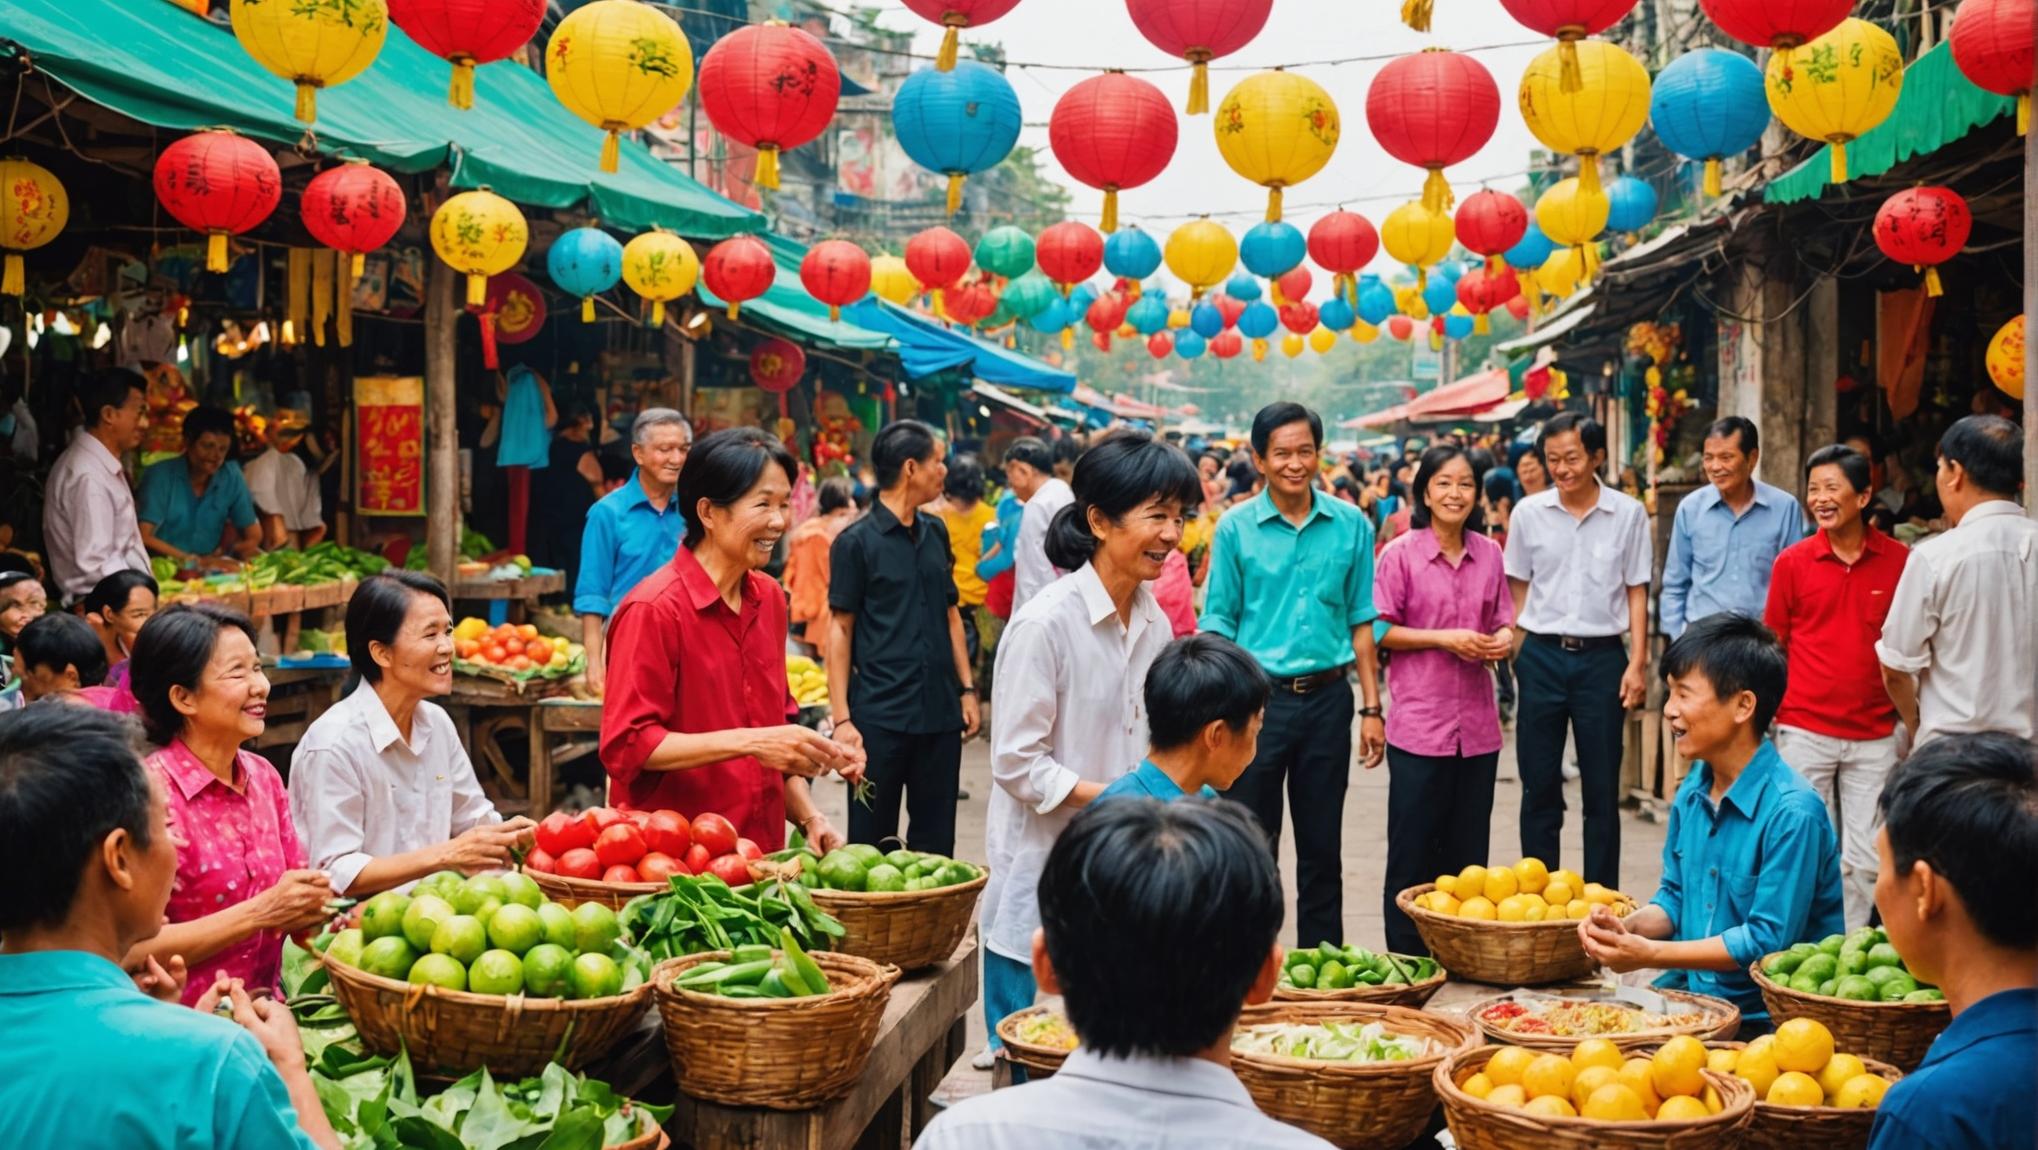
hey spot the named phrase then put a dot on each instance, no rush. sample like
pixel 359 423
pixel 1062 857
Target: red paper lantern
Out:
pixel 1923 227
pixel 1400 326
pixel 1992 47
pixel 1112 132
pixel 770 87
pixel 1228 307
pixel 1518 307
pixel 1299 317
pixel 1159 344
pixel 1106 313
pixel 1781 24
pixel 937 257
pixel 1483 289
pixel 220 184
pixel 969 304
pixel 777 366
pixel 1293 285
pixel 1226 343
pixel 1434 109
pixel 1343 243
pixel 354 208
pixel 468 32
pixel 1069 252
pixel 837 273
pixel 1491 222
pixel 954 15
pixel 737 269
pixel 1199 31
pixel 1570 21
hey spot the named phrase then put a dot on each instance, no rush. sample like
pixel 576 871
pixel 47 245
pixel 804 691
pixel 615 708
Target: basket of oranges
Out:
pixel 1513 1098
pixel 1508 925
pixel 1806 1092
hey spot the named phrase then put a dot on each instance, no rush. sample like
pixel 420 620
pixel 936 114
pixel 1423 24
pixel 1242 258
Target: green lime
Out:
pixel 885 877
pixel 558 922
pixel 1782 964
pixel 477 890
pixel 1896 988
pixel 520 888
pixel 1829 986
pixel 382 916
pixel 496 972
pixel 462 936
pixel 1804 984
pixel 1877 976
pixel 594 975
pixel 842 871
pixel 1803 947
pixel 516 928
pixel 389 956
pixel 902 858
pixel 438 970
pixel 1883 954
pixel 1303 976
pixel 1334 975
pixel 545 969
pixel 1832 943
pixel 442 883
pixel 346 946
pixel 487 909
pixel 595 928
pixel 1819 967
pixel 423 917
pixel 1925 994
pixel 865 853
pixel 809 863
pixel 1853 962
pixel 916 870
pixel 1857 988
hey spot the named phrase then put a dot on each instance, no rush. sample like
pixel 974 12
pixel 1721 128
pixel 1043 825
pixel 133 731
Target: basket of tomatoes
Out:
pixel 611 856
pixel 514 653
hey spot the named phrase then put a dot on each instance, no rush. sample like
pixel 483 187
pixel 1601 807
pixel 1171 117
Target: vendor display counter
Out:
pixel 559 729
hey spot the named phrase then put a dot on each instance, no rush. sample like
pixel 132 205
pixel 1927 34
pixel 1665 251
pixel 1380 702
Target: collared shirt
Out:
pixel 626 539
pixel 966 540
pixel 1030 569
pixel 1719 561
pixel 1962 622
pixel 91 1061
pixel 1069 693
pixel 1141 1101
pixel 280 484
pixel 1760 871
pixel 899 582
pixel 359 792
pixel 1291 595
pixel 1148 781
pixel 238 840
pixel 681 660
pixel 195 523
pixel 88 521
pixel 1578 570
pixel 1443 705
pixel 1828 613
pixel 1974 1087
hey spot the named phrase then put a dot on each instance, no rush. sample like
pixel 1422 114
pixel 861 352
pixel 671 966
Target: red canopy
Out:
pixel 1467 396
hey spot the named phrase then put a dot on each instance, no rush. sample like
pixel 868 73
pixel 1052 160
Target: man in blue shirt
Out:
pixel 632 531
pixel 1751 864
pixel 1205 700
pixel 1959 815
pixel 1725 538
pixel 89 1058
pixel 187 502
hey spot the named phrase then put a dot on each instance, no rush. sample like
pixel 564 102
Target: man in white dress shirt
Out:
pixel 1029 472
pixel 285 492
pixel 89 522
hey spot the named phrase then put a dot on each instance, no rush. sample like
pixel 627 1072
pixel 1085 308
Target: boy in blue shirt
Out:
pixel 1751 864
pixel 1205 698
pixel 1959 816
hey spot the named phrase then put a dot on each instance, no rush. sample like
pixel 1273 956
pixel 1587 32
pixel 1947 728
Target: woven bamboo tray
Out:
pixel 1722 1020
pixel 1805 1127
pixel 458 1032
pixel 571 892
pixel 1039 1061
pixel 1356 1106
pixel 908 929
pixel 1477 1124
pixel 1502 953
pixel 778 1053
pixel 1898 1033
pixel 1411 995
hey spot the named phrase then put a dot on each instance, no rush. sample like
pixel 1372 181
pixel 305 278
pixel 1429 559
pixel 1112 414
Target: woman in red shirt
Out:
pixel 698 716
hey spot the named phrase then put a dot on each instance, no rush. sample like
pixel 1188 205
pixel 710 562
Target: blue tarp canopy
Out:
pixel 927 347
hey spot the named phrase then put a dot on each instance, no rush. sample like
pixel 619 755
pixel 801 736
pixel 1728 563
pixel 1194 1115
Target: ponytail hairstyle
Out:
pixel 1116 475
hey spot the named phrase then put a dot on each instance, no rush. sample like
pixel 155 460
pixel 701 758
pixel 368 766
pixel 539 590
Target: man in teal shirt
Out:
pixel 89 1059
pixel 187 502
pixel 632 531
pixel 1291 581
pixel 1205 701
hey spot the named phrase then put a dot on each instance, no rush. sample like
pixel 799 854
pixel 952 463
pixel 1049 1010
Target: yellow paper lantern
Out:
pixel 1363 332
pixel 660 266
pixel 1558 277
pixel 891 281
pixel 2006 358
pixel 1416 236
pixel 480 234
pixel 1609 104
pixel 1322 340
pixel 1293 345
pixel 1178 319
pixel 1837 87
pixel 1572 215
pixel 1277 129
pixel 312 43
pixel 33 208
pixel 619 65
pixel 1201 254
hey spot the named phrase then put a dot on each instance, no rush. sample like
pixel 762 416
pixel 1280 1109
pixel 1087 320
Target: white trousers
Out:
pixel 1848 775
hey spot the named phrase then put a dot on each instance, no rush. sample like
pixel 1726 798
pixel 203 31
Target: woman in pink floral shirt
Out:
pixel 240 886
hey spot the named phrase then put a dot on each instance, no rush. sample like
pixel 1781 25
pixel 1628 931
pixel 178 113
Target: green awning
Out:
pixel 786 305
pixel 157 63
pixel 1937 107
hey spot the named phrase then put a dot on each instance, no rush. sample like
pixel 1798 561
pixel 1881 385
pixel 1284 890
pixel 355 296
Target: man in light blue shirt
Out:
pixel 1205 701
pixel 1725 538
pixel 632 531
pixel 187 502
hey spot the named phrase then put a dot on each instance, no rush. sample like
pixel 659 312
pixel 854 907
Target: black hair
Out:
pixel 721 467
pixel 1591 433
pixel 1498 486
pixel 1030 451
pixel 69 776
pixel 1851 463
pixel 617 465
pixel 1741 428
pixel 1432 462
pixel 1990 448
pixel 1482 459
pixel 1121 472
pixel 207 420
pixel 1968 804
pixel 1735 653
pixel 1276 416
pixel 107 387
pixel 57 641
pixel 837 493
pixel 1159 917
pixel 1198 680
pixel 172 651
pixel 1067 449
pixel 376 613
pixel 113 592
pixel 965 478
pixel 10 575
pixel 897 443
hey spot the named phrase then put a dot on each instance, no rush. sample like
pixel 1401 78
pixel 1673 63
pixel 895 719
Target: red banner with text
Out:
pixel 390 428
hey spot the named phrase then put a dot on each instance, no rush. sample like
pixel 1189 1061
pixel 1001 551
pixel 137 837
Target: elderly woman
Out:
pixel 117 606
pixel 22 601
pixel 382 790
pixel 241 884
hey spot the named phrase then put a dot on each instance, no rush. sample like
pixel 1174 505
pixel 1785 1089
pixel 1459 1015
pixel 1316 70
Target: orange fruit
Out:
pixel 1550 1106
pixel 1681 1108
pixel 1512 1097
pixel 1614 1102
pixel 1549 1074
pixel 1508 1064
pixel 1597 1052
pixel 1591 1079
pixel 1674 1068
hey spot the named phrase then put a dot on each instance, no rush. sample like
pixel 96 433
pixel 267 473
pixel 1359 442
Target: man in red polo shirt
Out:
pixel 1828 597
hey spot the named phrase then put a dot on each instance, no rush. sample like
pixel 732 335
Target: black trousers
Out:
pixel 923 770
pixel 1306 743
pixel 1439 815
pixel 1580 688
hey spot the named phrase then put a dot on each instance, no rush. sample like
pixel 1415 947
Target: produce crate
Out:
pixel 1039 1061
pixel 280 599
pixel 1721 1020
pixel 1477 1124
pixel 1898 1033
pixel 1804 1127
pixel 1355 1105
pixel 319 595
pixel 908 929
pixel 1502 953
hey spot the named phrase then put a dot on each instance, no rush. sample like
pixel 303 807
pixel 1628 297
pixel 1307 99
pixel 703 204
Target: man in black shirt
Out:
pixel 899 676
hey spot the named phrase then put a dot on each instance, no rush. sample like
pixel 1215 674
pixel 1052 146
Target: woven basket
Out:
pixel 1722 1020
pixel 908 929
pixel 653 1139
pixel 778 1053
pixel 1502 953
pixel 1039 1061
pixel 1477 1124
pixel 1807 1127
pixel 1356 1106
pixel 1411 995
pixel 458 1032
pixel 1898 1033
pixel 571 892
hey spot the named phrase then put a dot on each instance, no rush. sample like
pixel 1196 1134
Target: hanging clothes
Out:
pixel 525 440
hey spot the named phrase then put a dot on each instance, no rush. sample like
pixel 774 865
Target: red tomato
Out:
pixel 503 631
pixel 620 845
pixel 493 653
pixel 668 832
pixel 750 851
pixel 656 867
pixel 639 819
pixel 731 869
pixel 527 631
pixel 580 863
pixel 599 819
pixel 560 832
pixel 466 648
pixel 541 861
pixel 697 858
pixel 513 647
pixel 715 833
pixel 621 873
pixel 518 663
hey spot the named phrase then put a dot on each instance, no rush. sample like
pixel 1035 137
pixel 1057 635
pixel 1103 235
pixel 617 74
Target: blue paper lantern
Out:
pixel 1532 252
pixel 1457 326
pixel 1708 104
pixel 1376 300
pixel 1148 314
pixel 1188 344
pixel 1052 318
pixel 585 262
pixel 958 122
pixel 1242 287
pixel 1131 254
pixel 1336 314
pixel 1080 299
pixel 1258 320
pixel 1633 205
pixel 1451 270
pixel 1272 248
pixel 1440 295
pixel 1205 320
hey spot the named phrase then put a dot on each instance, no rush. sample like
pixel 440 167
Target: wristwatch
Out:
pixel 967 690
pixel 1372 712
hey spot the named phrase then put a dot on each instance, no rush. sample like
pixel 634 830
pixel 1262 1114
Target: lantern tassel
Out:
pixel 307 102
pixel 1839 161
pixel 1588 173
pixel 1199 84
pixel 1421 280
pixel 358 263
pixel 767 167
pixel 1416 13
pixel 2024 114
pixel 944 61
pixel 14 280
pixel 1259 350
pixel 1569 79
pixel 1481 325
pixel 657 313
pixel 734 307
pixel 215 252
pixel 1530 292
pixel 611 151
pixel 934 300
pixel 461 95
pixel 1588 259
pixel 1933 287
pixel 343 308
pixel 1274 204
pixel 477 289
pixel 489 358
pixel 587 309
pixel 1068 339
pixel 321 293
pixel 1712 177
pixel 1436 192
pixel 834 314
pixel 1109 223
pixel 955 180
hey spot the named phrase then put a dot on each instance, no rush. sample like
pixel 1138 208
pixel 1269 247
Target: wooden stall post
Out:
pixel 442 485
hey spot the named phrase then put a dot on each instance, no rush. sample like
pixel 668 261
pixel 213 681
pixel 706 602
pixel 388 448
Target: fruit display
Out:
pixel 1797 1066
pixel 1860 967
pixel 862 867
pixel 607 845
pixel 1047 1028
pixel 1327 967
pixel 327 562
pixel 516 650
pixel 807 681
pixel 1535 1015
pixel 757 971
pixel 695 915
pixel 1596 1080
pixel 1330 1041
pixel 1528 891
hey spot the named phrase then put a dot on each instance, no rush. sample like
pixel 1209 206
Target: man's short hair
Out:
pixel 1198 680
pixel 1276 416
pixel 1030 451
pixel 1735 653
pixel 57 641
pixel 654 417
pixel 1852 464
pixel 68 777
pixel 1968 804
pixel 1590 433
pixel 1991 448
pixel 203 421
pixel 107 387
pixel 1158 917
pixel 1741 428
pixel 896 444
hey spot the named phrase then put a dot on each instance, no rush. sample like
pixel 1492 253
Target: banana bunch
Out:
pixel 809 683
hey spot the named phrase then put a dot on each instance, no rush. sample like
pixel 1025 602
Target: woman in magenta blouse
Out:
pixel 1447 615
pixel 240 886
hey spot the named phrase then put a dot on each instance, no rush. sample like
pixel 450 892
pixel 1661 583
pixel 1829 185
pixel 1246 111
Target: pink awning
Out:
pixel 1466 396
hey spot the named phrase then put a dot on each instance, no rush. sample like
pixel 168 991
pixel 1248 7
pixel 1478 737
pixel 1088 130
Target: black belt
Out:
pixel 1580 642
pixel 1316 680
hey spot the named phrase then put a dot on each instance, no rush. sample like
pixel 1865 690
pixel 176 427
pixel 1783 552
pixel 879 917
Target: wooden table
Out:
pixel 540 720
pixel 522 593
pixel 923 1033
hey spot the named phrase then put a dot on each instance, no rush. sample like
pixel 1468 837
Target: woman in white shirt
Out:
pixel 1069 682
pixel 381 790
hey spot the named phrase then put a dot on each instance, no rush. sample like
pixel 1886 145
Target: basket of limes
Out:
pixel 1857 986
pixel 1329 973
pixel 906 908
